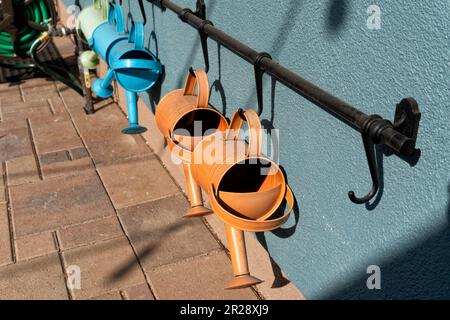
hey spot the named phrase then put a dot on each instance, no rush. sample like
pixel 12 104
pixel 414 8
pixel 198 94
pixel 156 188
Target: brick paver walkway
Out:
pixel 75 191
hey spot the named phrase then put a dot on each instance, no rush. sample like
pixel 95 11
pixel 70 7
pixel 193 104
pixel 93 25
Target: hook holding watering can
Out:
pixel 144 16
pixel 258 79
pixel 200 12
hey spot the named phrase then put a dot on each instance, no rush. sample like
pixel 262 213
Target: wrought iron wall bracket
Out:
pixel 407 118
pixel 406 121
pixel 399 136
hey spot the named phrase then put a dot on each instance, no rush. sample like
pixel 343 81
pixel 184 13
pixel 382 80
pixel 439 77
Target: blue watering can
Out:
pixel 134 67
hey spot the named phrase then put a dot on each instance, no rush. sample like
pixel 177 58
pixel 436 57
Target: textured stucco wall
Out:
pixel 406 231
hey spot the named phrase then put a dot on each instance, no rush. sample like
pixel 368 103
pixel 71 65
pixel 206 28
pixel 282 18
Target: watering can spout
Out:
pixel 177 116
pixel 244 281
pixel 238 253
pixel 103 87
pixel 194 194
pixel 132 110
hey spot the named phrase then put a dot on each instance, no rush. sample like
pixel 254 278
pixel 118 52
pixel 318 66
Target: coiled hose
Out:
pixel 36 11
pixel 30 40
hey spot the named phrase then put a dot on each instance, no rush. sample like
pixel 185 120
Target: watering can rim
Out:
pixel 248 224
pixel 278 172
pixel 118 76
pixel 173 144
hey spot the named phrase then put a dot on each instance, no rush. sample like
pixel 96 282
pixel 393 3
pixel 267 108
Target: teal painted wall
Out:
pixel 325 251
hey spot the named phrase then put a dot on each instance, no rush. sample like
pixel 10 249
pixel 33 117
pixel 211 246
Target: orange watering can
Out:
pixel 185 117
pixel 245 188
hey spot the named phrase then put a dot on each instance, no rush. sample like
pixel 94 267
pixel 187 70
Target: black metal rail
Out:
pixel 380 131
pixel 400 136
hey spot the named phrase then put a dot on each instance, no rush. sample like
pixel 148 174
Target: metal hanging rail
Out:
pixel 400 136
pixel 388 136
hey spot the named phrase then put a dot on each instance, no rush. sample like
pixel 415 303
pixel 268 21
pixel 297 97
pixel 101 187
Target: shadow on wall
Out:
pixel 280 38
pixel 217 84
pixel 283 233
pixel 337 14
pixel 196 47
pixel 420 273
pixel 154 93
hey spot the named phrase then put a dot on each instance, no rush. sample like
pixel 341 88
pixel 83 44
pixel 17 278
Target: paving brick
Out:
pixel 67 167
pixel 40 278
pixel 51 109
pixel 38 96
pixel 8 86
pixel 160 234
pixel 54 157
pixel 78 153
pixel 14 143
pixel 38 84
pixel 104 124
pixel 2 186
pixel 102 229
pixel 58 202
pixel 72 99
pixel 6 126
pixel 200 278
pixel 145 180
pixel 35 246
pixel 38 89
pixel 125 146
pixel 109 296
pixel 139 292
pixel 22 170
pixel 5 243
pixel 10 94
pixel 75 104
pixel 104 267
pixel 55 136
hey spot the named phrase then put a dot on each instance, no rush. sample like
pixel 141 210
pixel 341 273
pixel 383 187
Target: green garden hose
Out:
pixel 37 12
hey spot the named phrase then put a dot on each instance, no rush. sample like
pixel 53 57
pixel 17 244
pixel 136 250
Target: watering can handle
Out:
pixel 254 126
pixel 137 35
pixel 198 77
pixel 115 14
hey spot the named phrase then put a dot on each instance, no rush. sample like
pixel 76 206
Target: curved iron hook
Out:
pixel 144 16
pixel 204 42
pixel 200 12
pixel 259 78
pixel 369 148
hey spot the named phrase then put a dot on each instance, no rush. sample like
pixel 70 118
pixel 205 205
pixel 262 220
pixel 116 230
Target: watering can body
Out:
pixel 184 117
pixel 245 188
pixel 135 69
pixel 182 111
